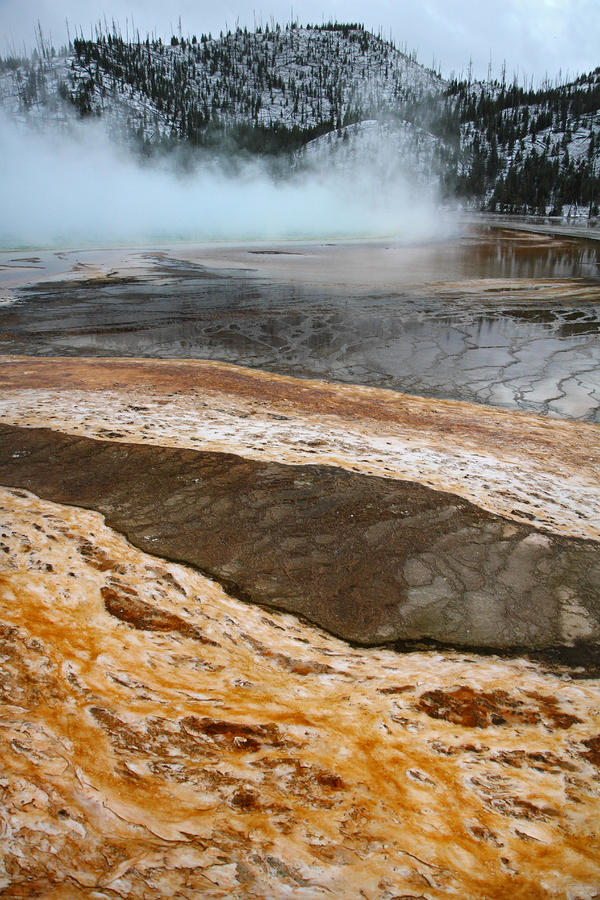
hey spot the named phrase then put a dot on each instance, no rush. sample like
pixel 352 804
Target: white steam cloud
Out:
pixel 77 188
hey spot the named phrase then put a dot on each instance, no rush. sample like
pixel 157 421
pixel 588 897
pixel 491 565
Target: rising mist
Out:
pixel 77 187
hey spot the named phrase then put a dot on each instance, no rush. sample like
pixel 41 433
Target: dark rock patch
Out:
pixel 372 560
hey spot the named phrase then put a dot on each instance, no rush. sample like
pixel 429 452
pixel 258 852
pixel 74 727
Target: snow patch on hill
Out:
pixel 387 150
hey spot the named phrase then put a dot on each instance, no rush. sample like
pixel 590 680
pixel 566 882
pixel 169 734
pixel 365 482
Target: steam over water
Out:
pixel 78 187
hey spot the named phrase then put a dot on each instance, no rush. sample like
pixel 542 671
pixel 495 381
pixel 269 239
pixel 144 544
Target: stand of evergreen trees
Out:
pixel 503 147
pixel 521 156
pixel 247 86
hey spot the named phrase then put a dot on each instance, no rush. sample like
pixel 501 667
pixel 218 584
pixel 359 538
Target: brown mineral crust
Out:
pixel 459 421
pixel 238 735
pixel 523 809
pixel 399 689
pixel 368 558
pixel 119 602
pixel 518 466
pixel 593 751
pixel 480 709
pixel 540 762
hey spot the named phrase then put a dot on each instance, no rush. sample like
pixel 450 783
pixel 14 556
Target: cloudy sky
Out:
pixel 534 37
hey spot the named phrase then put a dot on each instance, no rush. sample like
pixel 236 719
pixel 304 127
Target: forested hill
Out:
pixel 296 82
pixel 530 150
pixel 323 93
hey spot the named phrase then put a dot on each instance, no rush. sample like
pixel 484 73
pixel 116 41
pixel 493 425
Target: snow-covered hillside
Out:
pixel 325 96
pixel 528 150
pixel 294 77
pixel 391 148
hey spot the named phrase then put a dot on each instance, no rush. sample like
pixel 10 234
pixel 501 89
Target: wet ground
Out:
pixel 161 736
pixel 492 317
pixel 370 559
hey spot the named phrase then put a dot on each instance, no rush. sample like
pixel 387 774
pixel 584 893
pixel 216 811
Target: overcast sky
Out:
pixel 534 37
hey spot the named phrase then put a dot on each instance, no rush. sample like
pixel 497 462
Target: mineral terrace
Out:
pixel 169 727
pixel 303 629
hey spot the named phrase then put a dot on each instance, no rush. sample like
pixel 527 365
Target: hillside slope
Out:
pixel 294 78
pixel 329 95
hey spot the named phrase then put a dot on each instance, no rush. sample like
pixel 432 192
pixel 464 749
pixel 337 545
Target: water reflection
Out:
pixel 499 254
pixel 492 341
